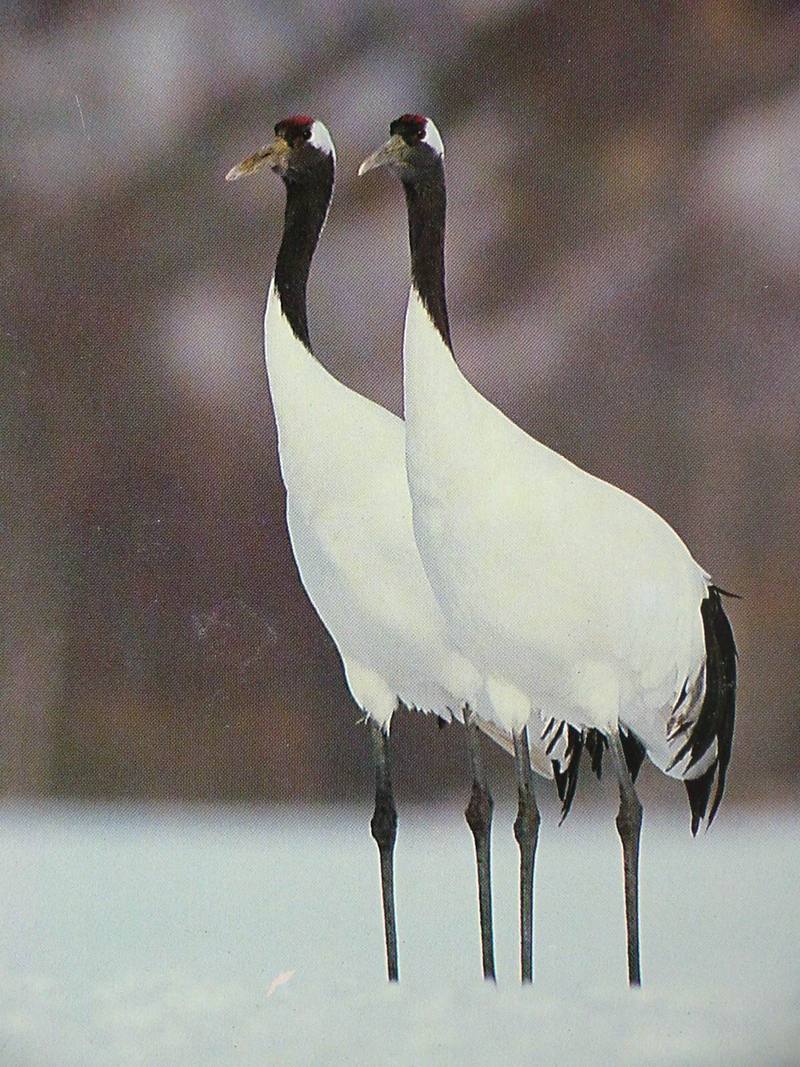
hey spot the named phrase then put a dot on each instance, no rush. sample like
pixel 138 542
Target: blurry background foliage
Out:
pixel 624 268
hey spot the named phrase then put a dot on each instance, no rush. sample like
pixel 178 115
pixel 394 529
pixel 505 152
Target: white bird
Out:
pixel 571 598
pixel 348 510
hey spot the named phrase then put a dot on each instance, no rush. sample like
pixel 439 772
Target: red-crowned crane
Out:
pixel 570 597
pixel 342 459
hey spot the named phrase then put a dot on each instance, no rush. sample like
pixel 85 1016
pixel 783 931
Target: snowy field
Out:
pixel 199 937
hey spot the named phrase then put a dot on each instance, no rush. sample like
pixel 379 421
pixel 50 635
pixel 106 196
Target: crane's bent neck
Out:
pixel 426 201
pixel 307 203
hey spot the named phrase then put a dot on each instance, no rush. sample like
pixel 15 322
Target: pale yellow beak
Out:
pixel 390 153
pixel 273 155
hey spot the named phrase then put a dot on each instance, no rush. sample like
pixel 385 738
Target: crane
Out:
pixel 572 599
pixel 348 510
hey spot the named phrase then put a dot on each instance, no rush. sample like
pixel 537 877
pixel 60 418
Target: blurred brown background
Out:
pixel 624 266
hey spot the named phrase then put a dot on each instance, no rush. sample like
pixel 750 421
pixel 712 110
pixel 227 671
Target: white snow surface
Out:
pixel 137 936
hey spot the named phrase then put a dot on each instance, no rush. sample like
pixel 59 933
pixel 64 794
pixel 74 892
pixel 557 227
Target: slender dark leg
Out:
pixel 384 830
pixel 479 819
pixel 629 827
pixel 526 831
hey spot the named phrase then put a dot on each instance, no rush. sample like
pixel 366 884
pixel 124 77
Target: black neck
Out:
pixel 307 201
pixel 426 201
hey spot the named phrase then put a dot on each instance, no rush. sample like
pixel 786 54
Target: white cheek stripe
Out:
pixel 432 137
pixel 320 138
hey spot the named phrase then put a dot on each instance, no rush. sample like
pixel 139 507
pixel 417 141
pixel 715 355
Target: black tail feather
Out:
pixel 716 719
pixel 698 791
pixel 633 748
pixel 634 752
pixel 595 744
pixel 567 779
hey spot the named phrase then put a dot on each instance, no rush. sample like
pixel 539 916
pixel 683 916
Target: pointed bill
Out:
pixel 271 154
pixel 388 153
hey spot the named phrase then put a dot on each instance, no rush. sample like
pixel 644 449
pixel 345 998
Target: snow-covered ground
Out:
pixel 185 938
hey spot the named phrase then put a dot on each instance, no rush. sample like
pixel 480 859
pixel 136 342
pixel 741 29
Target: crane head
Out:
pixel 299 143
pixel 413 146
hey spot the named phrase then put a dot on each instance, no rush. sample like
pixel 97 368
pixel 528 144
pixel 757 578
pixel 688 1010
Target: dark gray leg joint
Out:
pixel 479 811
pixel 526 824
pixel 629 816
pixel 384 820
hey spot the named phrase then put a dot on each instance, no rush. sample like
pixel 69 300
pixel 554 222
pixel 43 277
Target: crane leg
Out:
pixel 526 831
pixel 478 814
pixel 629 827
pixel 384 830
